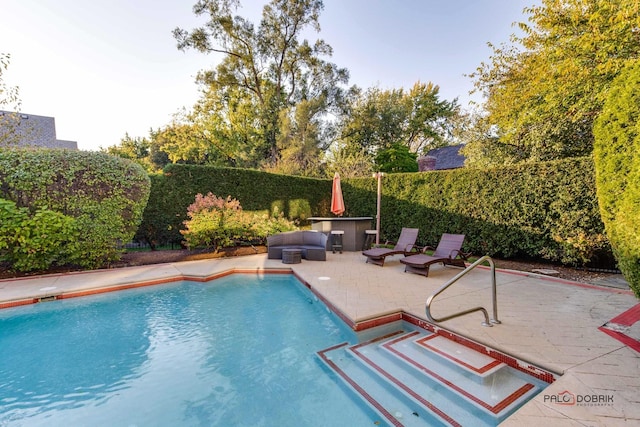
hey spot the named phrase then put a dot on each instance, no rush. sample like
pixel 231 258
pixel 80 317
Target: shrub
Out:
pixel 617 161
pixel 216 222
pixel 105 195
pixel 38 241
pixel 295 198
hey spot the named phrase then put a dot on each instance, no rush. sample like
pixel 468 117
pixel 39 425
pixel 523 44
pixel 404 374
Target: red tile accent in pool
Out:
pixel 362 392
pixel 421 323
pixel 480 370
pixel 18 303
pixel 356 326
pixel 495 409
pixel 378 321
pixel 443 415
pixel 95 291
pixel 529 369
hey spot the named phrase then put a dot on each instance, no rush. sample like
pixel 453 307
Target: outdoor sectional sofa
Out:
pixel 312 244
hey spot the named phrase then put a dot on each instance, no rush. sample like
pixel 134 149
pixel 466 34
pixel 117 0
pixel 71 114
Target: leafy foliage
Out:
pixel 270 89
pixel 543 93
pixel 146 152
pixel 348 163
pixel 417 119
pixel 217 222
pixel 105 195
pixel 617 161
pixel 36 242
pixel 396 158
pixel 9 100
pixel 272 195
pixel 276 103
pixel 541 210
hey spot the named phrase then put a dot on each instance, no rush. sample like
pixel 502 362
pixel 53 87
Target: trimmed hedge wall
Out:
pixel 617 160
pixel 295 198
pixel 543 210
pixel 105 195
pixel 546 210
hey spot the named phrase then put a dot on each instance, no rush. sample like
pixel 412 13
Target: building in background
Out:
pixel 29 130
pixel 443 158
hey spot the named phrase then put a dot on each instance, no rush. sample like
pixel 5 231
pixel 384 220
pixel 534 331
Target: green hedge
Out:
pixel 296 198
pixel 617 160
pixel 543 210
pixel 105 195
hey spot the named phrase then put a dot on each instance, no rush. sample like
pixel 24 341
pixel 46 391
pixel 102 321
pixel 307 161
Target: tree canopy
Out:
pixel 418 119
pixel 9 100
pixel 271 89
pixel 274 102
pixel 543 92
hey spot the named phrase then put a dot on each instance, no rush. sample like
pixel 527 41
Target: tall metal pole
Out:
pixel 379 176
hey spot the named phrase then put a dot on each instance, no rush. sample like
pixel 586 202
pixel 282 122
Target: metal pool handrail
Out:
pixel 487 322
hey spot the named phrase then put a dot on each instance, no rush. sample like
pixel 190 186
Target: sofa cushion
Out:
pixel 291 238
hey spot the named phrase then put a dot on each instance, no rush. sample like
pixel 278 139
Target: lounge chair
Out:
pixel 406 243
pixel 448 252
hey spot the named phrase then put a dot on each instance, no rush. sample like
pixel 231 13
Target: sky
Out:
pixel 107 68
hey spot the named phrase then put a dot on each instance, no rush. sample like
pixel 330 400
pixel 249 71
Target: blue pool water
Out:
pixel 238 351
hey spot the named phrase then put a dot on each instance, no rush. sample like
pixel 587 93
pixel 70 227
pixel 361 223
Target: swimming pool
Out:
pixel 239 351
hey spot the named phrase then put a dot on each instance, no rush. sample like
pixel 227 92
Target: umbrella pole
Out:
pixel 379 176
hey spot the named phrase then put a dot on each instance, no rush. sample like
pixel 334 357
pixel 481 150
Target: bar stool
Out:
pixel 370 237
pixel 336 240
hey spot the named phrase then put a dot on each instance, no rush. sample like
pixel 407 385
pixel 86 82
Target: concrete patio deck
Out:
pixel 551 323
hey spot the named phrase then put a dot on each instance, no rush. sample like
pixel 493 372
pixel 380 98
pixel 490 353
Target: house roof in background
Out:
pixel 448 157
pixel 30 130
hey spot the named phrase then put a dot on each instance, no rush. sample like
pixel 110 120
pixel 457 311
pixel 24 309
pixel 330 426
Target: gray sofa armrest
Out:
pixel 275 240
pixel 314 238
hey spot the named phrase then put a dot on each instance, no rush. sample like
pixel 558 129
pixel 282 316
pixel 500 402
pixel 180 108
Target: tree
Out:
pixel 543 92
pixel 300 141
pixel 9 100
pixel 266 72
pixel 397 158
pixel 223 129
pixel 348 163
pixel 143 151
pixel 378 119
pixel 617 162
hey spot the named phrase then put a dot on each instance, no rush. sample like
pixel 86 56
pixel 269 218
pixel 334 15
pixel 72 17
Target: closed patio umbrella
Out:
pixel 337 202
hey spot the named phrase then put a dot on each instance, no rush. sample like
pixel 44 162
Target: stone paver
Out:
pixel 545 321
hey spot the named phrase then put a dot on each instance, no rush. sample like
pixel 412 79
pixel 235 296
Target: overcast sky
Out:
pixel 104 68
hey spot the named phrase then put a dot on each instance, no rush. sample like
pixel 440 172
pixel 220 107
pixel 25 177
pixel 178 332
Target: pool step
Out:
pixel 392 407
pixel 436 378
pixel 480 365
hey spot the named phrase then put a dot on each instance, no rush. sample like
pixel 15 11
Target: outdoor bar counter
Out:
pixel 354 228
